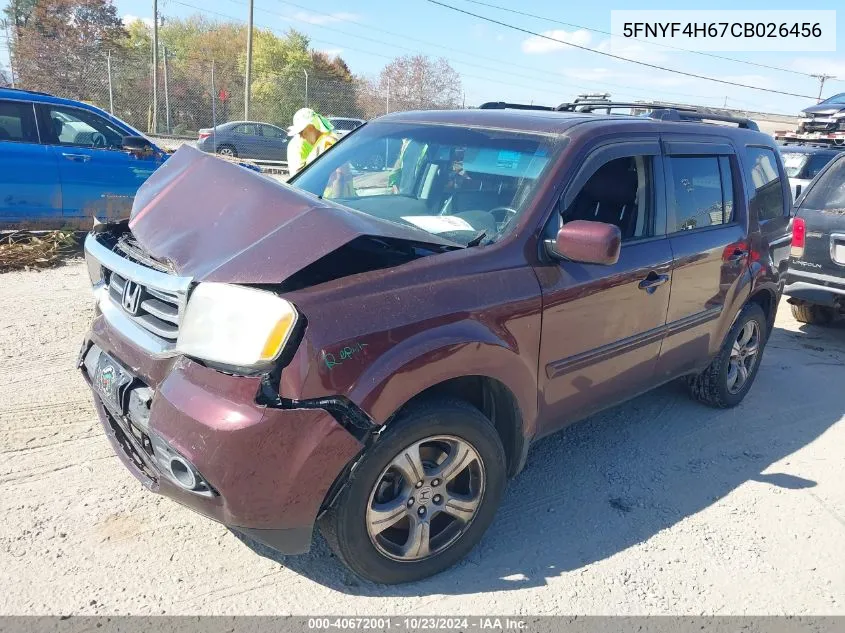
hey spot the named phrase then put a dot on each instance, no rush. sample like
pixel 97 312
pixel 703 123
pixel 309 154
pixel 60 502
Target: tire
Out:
pixel 227 150
pixel 812 313
pixel 348 524
pixel 713 386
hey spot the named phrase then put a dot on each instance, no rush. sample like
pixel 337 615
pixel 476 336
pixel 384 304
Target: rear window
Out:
pixel 702 192
pixel 765 183
pixel 17 122
pixel 828 193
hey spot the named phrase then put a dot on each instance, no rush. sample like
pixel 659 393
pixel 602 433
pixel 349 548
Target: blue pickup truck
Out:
pixel 63 162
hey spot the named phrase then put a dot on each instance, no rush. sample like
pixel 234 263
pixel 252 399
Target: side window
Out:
pixel 82 128
pixel 17 122
pixel 701 192
pixel 619 193
pixel 248 129
pixel 828 194
pixel 764 181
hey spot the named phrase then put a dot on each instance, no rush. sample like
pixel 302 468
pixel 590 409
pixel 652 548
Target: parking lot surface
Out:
pixel 659 506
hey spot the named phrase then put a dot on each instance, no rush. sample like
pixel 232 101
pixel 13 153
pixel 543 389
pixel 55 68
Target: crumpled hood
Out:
pixel 824 109
pixel 216 221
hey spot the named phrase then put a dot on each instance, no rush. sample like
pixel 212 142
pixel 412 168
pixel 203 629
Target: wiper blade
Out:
pixel 477 239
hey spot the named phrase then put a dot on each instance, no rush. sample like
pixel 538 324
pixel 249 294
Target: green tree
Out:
pixel 60 46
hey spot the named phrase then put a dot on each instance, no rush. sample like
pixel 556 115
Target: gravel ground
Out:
pixel 660 506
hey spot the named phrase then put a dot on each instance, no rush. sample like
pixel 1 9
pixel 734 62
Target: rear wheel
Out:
pixel 422 497
pixel 729 377
pixel 812 313
pixel 227 150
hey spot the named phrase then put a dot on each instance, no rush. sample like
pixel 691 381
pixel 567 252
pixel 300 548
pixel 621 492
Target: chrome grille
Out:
pixel 144 304
pixel 157 311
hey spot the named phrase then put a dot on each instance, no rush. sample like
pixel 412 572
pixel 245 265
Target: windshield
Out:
pixel 837 99
pixel 793 162
pixel 465 184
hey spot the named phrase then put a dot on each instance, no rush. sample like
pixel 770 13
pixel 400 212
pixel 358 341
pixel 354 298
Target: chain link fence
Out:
pixel 198 93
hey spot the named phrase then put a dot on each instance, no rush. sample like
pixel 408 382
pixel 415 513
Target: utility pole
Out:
pixel 247 88
pixel 9 49
pixel 166 91
pixel 213 111
pixel 155 67
pixel 306 87
pixel 111 92
pixel 387 98
pixel 822 78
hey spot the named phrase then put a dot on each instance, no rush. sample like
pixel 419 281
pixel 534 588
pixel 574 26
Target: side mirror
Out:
pixel 587 242
pixel 138 146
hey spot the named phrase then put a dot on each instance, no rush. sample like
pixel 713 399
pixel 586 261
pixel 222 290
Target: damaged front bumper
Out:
pixel 199 436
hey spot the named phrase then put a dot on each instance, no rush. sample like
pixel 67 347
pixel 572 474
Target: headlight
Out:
pixel 234 325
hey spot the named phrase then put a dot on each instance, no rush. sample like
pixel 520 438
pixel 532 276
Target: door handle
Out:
pixel 77 158
pixel 738 255
pixel 651 283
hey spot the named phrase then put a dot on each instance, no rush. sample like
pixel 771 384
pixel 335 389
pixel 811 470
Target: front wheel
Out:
pixel 422 497
pixel 729 377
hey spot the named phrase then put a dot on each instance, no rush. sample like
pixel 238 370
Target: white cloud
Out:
pixel 323 18
pixel 539 45
pixel 129 19
pixel 820 65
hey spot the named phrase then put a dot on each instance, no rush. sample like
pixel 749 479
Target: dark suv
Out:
pixel 376 352
pixel 815 282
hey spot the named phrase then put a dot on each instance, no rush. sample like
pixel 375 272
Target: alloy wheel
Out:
pixel 425 498
pixel 744 354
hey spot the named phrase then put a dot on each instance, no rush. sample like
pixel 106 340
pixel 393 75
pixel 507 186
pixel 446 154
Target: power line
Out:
pixel 630 89
pixel 619 57
pixel 366 52
pixel 611 34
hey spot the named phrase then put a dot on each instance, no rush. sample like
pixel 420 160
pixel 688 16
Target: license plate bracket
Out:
pixel 110 378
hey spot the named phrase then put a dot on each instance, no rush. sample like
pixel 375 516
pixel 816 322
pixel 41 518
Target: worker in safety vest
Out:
pixel 312 134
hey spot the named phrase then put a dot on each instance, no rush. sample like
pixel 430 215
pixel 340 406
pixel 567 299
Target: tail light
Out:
pixel 799 235
pixel 204 135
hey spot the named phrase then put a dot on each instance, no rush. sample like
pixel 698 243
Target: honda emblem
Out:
pixel 131 299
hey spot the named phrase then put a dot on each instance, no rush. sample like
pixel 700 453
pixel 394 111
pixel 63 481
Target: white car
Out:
pixel 344 125
pixel 803 161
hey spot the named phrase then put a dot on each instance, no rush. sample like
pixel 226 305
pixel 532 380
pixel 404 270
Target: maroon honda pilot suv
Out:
pixel 375 351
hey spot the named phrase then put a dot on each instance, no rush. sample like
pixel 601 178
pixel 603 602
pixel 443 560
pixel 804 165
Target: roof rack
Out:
pixel 660 111
pixel 802 143
pixel 654 110
pixel 502 105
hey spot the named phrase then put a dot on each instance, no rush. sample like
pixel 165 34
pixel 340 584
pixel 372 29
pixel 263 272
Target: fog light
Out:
pixel 178 469
pixel 183 473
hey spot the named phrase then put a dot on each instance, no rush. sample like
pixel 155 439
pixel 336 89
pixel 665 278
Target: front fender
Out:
pixel 429 358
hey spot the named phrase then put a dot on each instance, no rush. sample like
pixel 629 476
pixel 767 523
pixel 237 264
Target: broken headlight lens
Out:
pixel 235 325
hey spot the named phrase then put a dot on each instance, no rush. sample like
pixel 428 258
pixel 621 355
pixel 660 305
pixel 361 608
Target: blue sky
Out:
pixel 497 63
